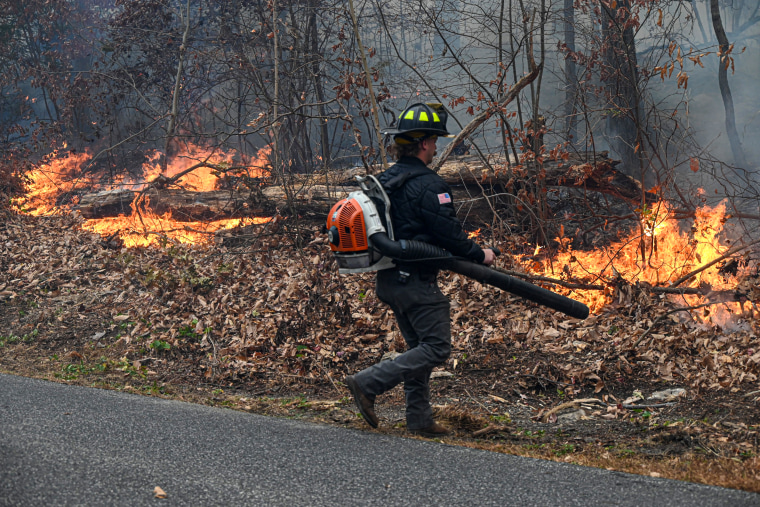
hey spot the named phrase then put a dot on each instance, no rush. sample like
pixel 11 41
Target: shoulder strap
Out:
pixel 398 181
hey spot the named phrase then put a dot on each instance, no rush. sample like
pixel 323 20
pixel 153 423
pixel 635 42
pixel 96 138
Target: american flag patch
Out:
pixel 444 198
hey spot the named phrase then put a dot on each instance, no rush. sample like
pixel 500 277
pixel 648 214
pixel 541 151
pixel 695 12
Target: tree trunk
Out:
pixel 324 137
pixel 571 83
pixel 168 144
pixel 368 76
pixel 725 90
pixel 621 77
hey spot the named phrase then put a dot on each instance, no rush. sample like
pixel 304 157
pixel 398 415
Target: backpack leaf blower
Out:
pixel 361 238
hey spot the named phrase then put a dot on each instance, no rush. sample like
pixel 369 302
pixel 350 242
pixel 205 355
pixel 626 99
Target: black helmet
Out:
pixel 420 121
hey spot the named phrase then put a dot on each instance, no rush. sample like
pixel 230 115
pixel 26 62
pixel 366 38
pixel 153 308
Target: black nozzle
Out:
pixel 409 250
pixel 519 287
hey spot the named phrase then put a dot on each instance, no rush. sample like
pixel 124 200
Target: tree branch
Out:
pixel 731 252
pixel 482 117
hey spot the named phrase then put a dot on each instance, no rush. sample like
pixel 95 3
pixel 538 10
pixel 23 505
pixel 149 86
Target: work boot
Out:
pixel 365 404
pixel 434 430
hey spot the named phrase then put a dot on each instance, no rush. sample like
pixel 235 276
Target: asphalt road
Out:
pixel 67 445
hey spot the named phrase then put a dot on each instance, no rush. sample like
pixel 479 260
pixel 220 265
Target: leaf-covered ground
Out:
pixel 270 328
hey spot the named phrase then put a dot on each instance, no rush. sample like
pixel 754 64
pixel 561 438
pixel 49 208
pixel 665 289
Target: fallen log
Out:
pixel 469 177
pixel 590 171
pixel 184 205
pixel 595 172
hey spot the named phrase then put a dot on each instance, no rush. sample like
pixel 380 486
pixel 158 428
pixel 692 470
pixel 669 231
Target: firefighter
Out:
pixel 422 209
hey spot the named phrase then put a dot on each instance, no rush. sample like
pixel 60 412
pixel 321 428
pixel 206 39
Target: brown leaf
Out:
pixel 159 493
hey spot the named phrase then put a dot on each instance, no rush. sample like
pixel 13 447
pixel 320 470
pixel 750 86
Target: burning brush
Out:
pixel 58 185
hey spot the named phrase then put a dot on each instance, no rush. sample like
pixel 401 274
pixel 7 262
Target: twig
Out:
pixel 546 279
pixel 703 444
pixel 327 374
pixel 587 286
pixel 482 117
pixel 732 251
pixel 491 428
pixel 557 382
pixel 651 405
pixel 545 416
pixel 476 401
pixel 690 290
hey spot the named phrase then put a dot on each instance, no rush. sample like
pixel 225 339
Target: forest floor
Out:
pixel 272 329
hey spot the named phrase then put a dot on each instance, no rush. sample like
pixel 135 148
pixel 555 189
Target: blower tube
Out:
pixel 410 250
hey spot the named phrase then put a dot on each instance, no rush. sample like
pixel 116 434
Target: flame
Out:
pixel 659 253
pixel 60 175
pixel 152 230
pixel 56 183
pixel 204 179
pixel 473 234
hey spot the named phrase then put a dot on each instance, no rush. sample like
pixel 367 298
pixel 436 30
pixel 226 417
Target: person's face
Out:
pixel 428 149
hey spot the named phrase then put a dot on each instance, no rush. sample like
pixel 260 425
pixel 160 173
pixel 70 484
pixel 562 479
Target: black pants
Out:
pixel 422 313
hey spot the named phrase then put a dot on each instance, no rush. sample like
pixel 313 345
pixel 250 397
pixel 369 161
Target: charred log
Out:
pixel 318 192
pixel 184 205
pixel 596 173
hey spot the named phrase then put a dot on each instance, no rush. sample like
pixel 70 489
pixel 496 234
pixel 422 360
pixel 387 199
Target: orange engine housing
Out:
pixel 345 225
pixel 351 225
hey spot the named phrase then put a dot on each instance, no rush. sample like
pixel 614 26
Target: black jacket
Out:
pixel 422 209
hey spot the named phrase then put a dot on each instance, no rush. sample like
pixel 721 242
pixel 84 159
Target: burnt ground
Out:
pixel 272 330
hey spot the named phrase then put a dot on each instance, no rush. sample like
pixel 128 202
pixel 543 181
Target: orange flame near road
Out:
pixel 55 182
pixel 659 253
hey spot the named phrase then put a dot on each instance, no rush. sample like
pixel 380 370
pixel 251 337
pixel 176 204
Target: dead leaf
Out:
pixel 159 493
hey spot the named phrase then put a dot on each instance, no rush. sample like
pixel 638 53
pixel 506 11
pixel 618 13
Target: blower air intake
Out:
pixel 360 243
pixel 350 225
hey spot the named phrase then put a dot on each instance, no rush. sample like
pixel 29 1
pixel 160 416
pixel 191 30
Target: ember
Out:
pixel 55 186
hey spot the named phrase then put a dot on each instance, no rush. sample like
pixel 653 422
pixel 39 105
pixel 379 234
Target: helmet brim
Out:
pixel 430 132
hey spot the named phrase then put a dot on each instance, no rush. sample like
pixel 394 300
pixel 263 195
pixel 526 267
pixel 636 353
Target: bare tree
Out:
pixel 620 74
pixel 725 89
pixel 571 84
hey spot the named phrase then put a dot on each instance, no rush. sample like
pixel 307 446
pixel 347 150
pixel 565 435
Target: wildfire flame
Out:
pixel 55 184
pixel 58 176
pixel 659 253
